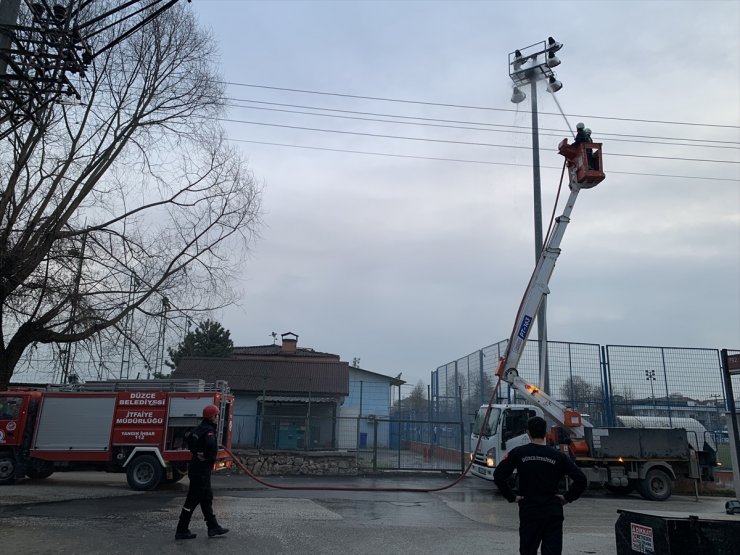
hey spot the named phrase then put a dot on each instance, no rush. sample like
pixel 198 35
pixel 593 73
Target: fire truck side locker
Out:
pixel 68 425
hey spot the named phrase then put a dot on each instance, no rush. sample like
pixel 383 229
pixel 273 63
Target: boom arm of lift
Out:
pixel 585 171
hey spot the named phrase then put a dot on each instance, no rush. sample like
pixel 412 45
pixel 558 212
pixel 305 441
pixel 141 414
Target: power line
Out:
pixel 509 128
pixel 467 122
pixel 471 107
pixel 465 161
pixel 628 136
pixel 468 143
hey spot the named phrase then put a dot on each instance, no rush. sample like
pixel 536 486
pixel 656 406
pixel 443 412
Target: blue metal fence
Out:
pixel 604 382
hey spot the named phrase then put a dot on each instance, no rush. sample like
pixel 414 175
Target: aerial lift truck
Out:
pixel 622 459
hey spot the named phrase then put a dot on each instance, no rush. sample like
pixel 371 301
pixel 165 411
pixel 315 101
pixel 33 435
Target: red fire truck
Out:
pixel 137 427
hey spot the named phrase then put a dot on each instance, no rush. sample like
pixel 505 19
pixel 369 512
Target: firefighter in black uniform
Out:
pixel 539 470
pixel 203 443
pixel 583 135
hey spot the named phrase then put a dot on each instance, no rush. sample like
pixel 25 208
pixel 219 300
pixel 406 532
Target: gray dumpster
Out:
pixel 670 533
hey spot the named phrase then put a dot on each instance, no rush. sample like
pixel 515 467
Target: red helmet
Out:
pixel 209 411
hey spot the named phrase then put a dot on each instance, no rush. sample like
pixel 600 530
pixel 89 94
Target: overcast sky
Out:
pixel 408 262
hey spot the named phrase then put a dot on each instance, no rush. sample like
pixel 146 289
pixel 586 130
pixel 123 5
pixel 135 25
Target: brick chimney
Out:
pixel 290 342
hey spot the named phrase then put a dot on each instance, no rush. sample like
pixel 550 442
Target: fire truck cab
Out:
pixel 137 427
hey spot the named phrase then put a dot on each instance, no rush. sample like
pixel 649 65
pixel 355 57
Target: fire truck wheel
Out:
pixel 38 470
pixel 656 486
pixel 144 473
pixel 7 468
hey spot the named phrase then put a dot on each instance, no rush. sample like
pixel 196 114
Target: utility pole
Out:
pixel 527 66
pixel 38 58
pixel 9 10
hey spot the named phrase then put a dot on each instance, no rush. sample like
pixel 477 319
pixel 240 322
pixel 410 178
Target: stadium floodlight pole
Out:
pixel 528 66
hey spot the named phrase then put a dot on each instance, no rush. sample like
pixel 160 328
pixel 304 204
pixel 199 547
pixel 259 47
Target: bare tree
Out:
pixel 414 405
pixel 584 396
pixel 624 401
pixel 576 389
pixel 482 389
pixel 133 198
pixel 417 401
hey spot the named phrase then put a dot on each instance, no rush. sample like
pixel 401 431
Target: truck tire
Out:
pixel 38 470
pixel 656 486
pixel 144 473
pixel 7 468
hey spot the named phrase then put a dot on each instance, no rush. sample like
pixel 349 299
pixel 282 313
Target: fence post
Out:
pixel 606 387
pixel 482 378
pixel 375 445
pixel 572 393
pixel 307 432
pixel 458 387
pixel 359 419
pixel 462 433
pixel 435 406
pixel 665 380
pixel 727 373
pixel 429 402
pixel 261 419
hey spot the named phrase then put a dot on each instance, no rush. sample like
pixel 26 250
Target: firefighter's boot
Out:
pixel 214 528
pixel 183 532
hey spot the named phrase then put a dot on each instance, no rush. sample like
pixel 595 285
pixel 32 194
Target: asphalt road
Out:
pixel 90 513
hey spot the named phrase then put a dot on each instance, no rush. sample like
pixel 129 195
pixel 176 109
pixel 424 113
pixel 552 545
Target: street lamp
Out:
pixel 527 66
pixel 650 376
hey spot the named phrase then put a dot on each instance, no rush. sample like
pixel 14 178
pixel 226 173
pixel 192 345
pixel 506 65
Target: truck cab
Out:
pixel 499 431
pixel 17 410
pixel 11 413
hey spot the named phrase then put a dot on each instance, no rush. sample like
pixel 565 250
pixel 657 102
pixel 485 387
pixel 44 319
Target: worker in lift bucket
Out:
pixel 539 470
pixel 583 135
pixel 203 444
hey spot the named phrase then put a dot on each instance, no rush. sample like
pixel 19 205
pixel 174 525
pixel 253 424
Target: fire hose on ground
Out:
pixel 249 473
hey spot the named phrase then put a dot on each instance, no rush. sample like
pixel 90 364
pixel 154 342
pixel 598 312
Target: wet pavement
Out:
pixel 97 513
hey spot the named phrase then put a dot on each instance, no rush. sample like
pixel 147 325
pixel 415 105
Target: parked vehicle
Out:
pixel 137 427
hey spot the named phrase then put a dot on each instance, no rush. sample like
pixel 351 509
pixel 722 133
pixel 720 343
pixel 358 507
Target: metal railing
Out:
pixel 603 382
pixel 386 444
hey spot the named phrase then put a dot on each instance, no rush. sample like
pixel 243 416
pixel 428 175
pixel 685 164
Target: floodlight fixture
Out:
pixel 553 45
pixel 518 95
pixel 552 60
pixel 553 85
pixel 518 60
